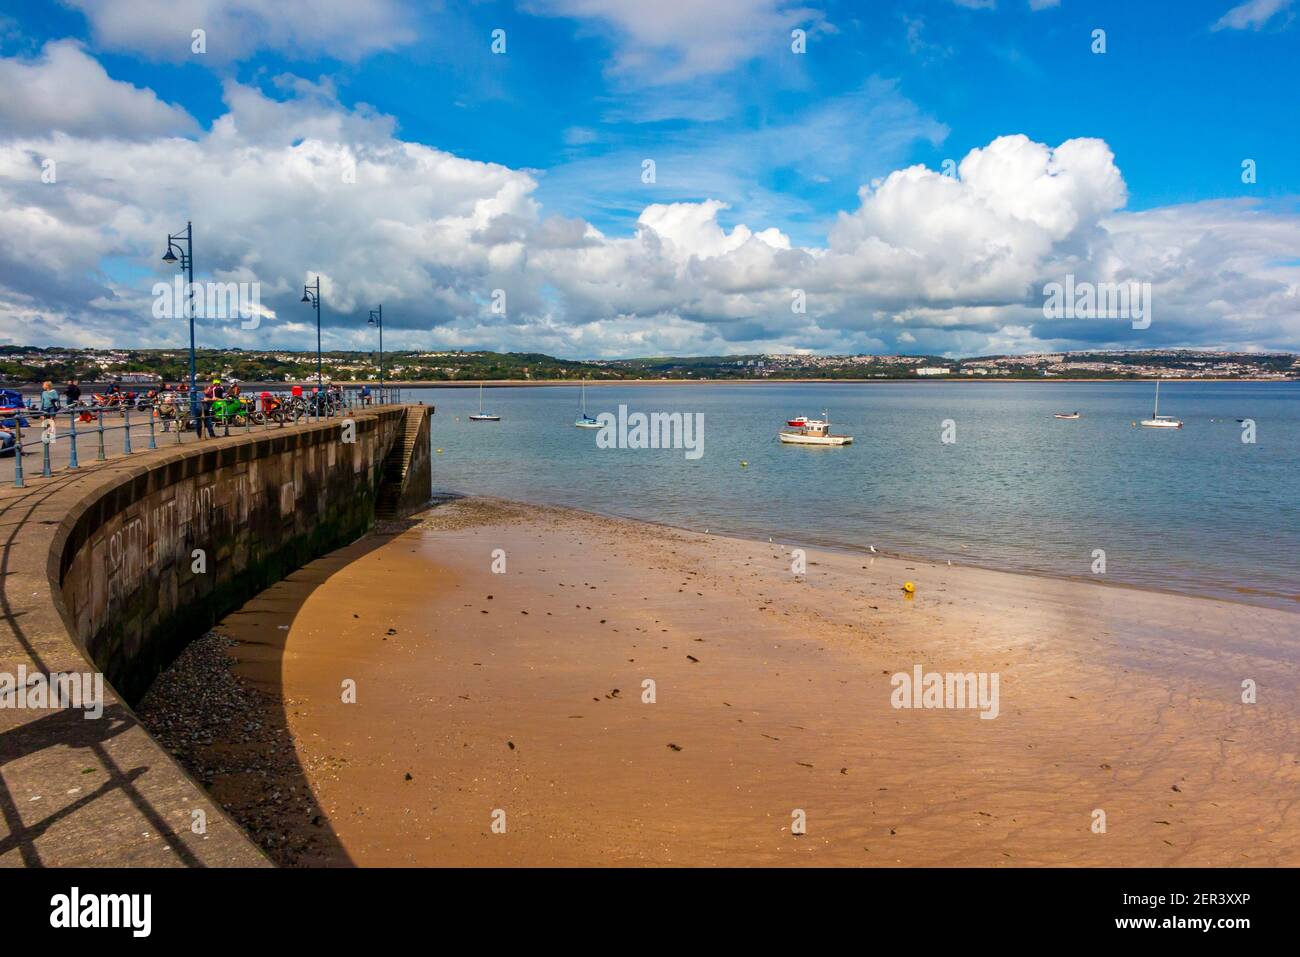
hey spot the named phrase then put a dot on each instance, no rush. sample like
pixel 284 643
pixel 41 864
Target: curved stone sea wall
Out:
pixel 141 555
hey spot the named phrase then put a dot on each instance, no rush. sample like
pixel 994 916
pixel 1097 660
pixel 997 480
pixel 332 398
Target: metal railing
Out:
pixel 87 434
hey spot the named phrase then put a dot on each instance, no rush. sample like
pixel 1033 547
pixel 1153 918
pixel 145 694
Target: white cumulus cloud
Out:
pixel 65 89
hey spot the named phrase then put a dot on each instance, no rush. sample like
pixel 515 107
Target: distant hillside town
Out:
pixel 20 365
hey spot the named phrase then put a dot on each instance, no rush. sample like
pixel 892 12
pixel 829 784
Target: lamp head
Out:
pixel 169 256
pixel 305 296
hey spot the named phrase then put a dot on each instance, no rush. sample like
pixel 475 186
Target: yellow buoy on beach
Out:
pixel 744 464
pixel 909 587
pixel 439 451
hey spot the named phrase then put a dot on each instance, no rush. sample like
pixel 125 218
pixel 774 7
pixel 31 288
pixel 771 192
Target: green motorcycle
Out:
pixel 235 411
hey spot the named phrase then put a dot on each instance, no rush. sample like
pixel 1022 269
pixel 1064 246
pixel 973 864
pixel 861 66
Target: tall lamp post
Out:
pixel 186 260
pixel 377 319
pixel 311 294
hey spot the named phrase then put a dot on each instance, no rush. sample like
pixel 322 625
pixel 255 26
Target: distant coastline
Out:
pixel 145 368
pixel 29 388
pixel 983 380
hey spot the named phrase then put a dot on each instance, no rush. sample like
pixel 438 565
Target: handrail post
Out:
pixel 18 455
pixel 126 424
pixel 100 456
pixel 153 414
pixel 46 438
pixel 72 440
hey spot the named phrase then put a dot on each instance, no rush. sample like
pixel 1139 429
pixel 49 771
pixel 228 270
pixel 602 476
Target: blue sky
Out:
pixel 1180 103
pixel 588 89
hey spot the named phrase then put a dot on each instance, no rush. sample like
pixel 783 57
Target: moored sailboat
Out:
pixel 1158 421
pixel 483 416
pixel 585 421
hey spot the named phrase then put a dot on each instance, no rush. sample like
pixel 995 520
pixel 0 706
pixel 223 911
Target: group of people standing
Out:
pixel 50 396
pixel 217 391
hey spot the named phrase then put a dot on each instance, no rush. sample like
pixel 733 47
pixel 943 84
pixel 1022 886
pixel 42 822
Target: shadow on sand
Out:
pixel 252 768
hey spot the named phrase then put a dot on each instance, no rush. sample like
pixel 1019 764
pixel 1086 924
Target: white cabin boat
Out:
pixel 812 432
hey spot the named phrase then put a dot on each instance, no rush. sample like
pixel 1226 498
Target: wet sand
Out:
pixel 522 692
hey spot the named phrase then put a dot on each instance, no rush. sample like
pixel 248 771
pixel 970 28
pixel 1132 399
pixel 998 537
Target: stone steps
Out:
pixel 396 466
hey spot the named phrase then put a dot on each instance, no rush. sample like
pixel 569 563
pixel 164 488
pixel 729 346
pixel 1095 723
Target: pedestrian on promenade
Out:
pixel 49 399
pixel 211 395
pixel 163 405
pixel 73 394
pixel 365 394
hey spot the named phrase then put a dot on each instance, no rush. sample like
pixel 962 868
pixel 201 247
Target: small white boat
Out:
pixel 483 416
pixel 812 432
pixel 586 421
pixel 1066 415
pixel 1158 421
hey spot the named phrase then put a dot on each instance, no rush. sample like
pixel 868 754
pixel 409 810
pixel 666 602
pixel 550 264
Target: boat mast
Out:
pixel 1156 413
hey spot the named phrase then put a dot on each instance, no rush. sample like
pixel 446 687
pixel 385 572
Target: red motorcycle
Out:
pixel 113 401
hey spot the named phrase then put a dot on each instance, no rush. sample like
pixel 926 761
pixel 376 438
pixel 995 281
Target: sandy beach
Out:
pixel 523 690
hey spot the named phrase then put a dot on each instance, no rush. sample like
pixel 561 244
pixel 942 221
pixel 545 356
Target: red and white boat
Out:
pixel 806 431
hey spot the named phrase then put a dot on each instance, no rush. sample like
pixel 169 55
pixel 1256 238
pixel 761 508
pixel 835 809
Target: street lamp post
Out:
pixel 311 294
pixel 377 319
pixel 186 260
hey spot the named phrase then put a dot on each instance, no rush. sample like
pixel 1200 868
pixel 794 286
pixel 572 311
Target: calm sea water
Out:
pixel 1194 510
